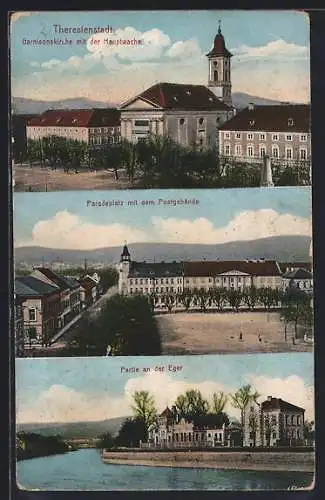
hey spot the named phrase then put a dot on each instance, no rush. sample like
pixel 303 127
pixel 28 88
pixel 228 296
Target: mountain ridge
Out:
pixel 281 248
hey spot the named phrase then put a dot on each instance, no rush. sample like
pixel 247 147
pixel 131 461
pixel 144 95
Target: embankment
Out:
pixel 268 461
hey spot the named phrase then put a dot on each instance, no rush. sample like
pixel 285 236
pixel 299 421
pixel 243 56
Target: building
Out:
pixel 19 135
pixel 301 279
pixel 70 291
pixel 281 132
pixel 232 275
pixel 19 325
pixel 219 59
pixel 162 278
pixel 89 291
pixel 171 432
pixel 96 127
pixel 273 423
pixel 41 309
pixel 189 115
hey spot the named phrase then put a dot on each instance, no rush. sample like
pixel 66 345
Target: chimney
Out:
pixel 251 106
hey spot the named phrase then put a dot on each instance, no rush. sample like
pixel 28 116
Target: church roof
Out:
pixel 219 46
pixel 180 96
pixel 125 252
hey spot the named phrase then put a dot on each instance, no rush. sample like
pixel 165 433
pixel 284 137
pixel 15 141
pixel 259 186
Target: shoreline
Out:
pixel 257 461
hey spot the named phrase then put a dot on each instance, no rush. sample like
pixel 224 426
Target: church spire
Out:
pixel 219 27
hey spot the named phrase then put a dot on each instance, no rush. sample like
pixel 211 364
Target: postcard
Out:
pixel 163 281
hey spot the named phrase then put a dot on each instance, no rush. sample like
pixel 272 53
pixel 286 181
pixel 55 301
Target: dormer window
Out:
pixel 252 122
pixel 58 120
pixel 175 98
pixel 188 92
pixel 210 99
pixel 290 122
pixel 75 120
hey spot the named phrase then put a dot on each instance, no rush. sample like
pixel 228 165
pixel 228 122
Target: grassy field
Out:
pixel 45 179
pixel 209 333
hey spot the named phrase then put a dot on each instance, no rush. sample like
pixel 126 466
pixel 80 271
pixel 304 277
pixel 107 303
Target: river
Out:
pixel 84 470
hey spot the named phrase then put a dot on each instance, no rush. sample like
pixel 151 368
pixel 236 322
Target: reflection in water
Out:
pixel 84 470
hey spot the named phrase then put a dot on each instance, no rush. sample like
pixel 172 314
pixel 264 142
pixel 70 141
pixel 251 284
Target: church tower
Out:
pixel 124 269
pixel 219 81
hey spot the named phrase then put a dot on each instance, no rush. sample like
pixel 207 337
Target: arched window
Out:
pixel 215 76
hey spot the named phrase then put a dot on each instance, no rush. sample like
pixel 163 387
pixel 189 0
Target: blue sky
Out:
pixel 67 220
pixel 45 386
pixel 272 44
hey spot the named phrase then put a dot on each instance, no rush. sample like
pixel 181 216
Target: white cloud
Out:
pixel 153 44
pixel 277 49
pixel 292 389
pixel 66 230
pixel 247 225
pixel 184 49
pixel 63 404
pixel 35 64
pixel 50 64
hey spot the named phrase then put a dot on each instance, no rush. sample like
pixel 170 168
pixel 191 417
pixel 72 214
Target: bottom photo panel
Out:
pixel 218 422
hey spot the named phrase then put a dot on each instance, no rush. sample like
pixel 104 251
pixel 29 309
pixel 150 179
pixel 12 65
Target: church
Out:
pixel 190 115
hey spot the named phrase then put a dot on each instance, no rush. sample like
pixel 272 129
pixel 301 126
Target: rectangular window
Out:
pixel 303 138
pixel 250 151
pixel 275 152
pixel 227 149
pixel 238 149
pixel 303 154
pixel 227 135
pixel 32 314
pixel 289 153
pixel 288 137
pixel 249 137
pixel 262 151
pixel 238 136
pixel 141 123
pixel 262 137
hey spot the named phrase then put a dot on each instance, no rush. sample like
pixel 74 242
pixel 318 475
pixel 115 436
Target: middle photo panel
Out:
pixel 165 272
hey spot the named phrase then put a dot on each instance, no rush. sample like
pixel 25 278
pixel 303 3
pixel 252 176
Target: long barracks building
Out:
pixel 175 277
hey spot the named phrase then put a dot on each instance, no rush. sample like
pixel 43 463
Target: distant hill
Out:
pixel 25 106
pixel 21 105
pixel 74 429
pixel 281 248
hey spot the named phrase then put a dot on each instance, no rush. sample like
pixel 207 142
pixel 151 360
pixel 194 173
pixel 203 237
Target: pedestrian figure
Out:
pixel 259 337
pixel 241 336
pixel 293 341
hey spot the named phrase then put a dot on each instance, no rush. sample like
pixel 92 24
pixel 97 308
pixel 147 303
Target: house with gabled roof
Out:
pixel 95 127
pixel 274 422
pixel 41 308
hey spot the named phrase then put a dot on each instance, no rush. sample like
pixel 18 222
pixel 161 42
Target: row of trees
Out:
pixel 160 162
pixel 126 326
pixel 294 304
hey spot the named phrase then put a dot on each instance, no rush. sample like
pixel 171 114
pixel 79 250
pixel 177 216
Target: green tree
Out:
pixel 191 404
pixel 219 401
pixel 144 407
pixel 106 441
pixel 250 296
pixel 269 426
pixel 108 277
pixel 186 298
pixel 132 431
pixel 219 297
pixel 202 297
pixel 234 299
pixel 169 299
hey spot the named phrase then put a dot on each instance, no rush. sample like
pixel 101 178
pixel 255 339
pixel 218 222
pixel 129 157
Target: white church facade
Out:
pixel 190 115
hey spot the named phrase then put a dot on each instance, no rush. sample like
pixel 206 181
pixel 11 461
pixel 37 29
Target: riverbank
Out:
pixel 263 461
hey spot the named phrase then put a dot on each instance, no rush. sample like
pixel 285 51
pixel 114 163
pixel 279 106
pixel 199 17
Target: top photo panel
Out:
pixel 159 99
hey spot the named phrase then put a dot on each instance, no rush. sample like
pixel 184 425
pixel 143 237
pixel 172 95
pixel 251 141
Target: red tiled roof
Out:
pixel 181 96
pixel 77 118
pixel 271 118
pixel 219 47
pixel 167 413
pixel 212 268
pixel 87 283
pixel 279 404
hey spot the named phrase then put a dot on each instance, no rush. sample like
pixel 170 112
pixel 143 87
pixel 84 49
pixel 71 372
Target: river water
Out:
pixel 84 470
